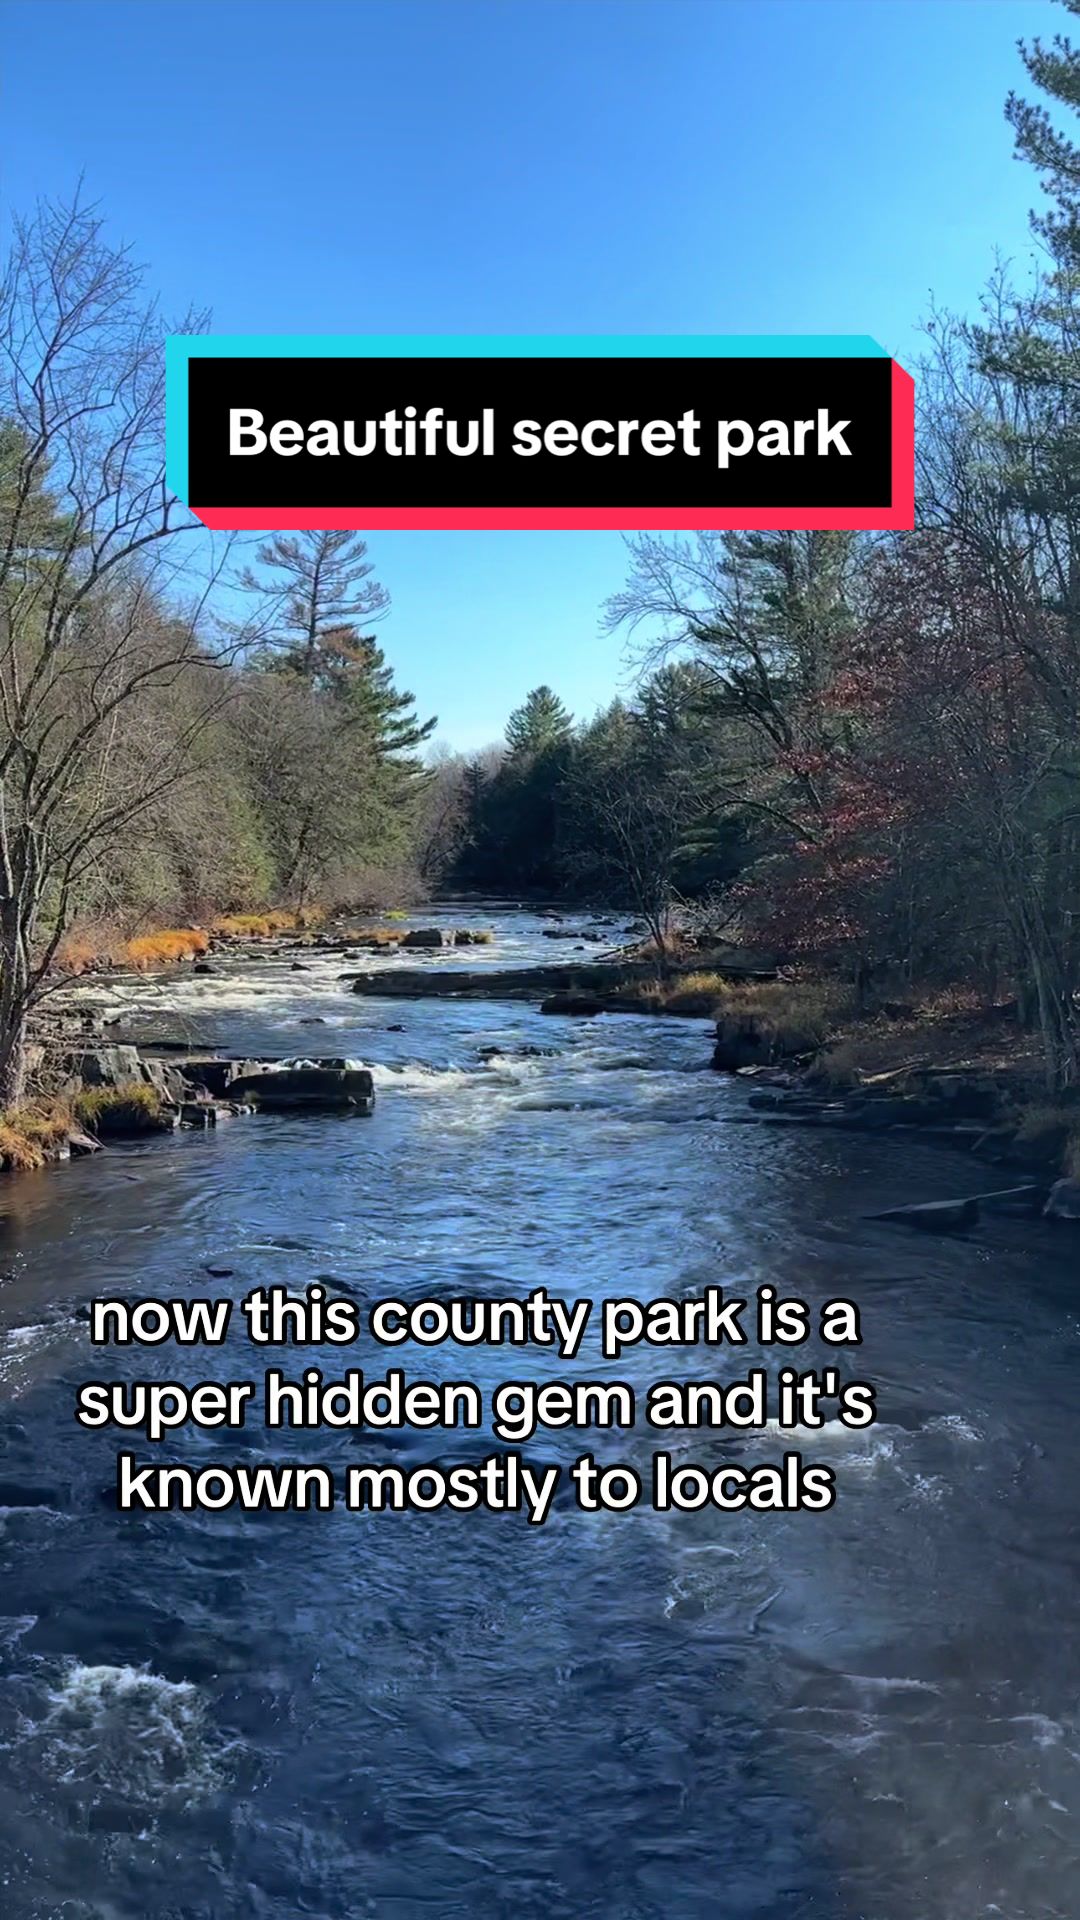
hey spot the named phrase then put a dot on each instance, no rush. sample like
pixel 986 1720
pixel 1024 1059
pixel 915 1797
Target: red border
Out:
pixel 898 515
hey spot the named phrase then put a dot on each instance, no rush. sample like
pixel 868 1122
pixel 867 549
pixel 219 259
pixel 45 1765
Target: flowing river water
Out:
pixel 867 1714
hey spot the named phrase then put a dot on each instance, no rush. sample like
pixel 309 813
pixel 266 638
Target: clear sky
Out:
pixel 540 166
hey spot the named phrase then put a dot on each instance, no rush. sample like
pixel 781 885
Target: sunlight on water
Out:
pixel 612 1717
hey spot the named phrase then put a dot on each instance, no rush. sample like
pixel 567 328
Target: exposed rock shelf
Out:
pixel 605 982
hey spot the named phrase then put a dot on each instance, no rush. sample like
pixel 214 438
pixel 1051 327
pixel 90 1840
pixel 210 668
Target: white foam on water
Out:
pixel 955 1425
pixel 862 1447
pixel 14 1627
pixel 869 1686
pixel 126 1733
pixel 415 1077
pixel 929 1486
pixel 26 1336
pixel 1044 1731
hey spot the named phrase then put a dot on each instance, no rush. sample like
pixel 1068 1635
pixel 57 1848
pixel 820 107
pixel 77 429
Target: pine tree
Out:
pixel 353 671
pixel 323 582
pixel 1055 69
pixel 30 518
pixel 539 725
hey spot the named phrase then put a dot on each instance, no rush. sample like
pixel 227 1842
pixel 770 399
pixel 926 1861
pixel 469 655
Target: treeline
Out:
pixel 306 784
pixel 184 728
pixel 865 750
pixel 624 810
pixel 291 771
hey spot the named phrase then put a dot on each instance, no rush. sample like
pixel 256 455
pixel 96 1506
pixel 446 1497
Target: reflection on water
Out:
pixel 873 1712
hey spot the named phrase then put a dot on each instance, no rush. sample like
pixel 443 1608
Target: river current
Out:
pixel 867 1714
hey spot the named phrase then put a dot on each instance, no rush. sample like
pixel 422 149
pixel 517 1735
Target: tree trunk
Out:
pixel 1057 1015
pixel 14 986
pixel 13 1063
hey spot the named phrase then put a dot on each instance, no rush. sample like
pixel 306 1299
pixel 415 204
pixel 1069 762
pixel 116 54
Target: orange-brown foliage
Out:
pixel 84 951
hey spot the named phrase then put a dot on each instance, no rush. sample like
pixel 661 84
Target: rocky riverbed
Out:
pixel 113 1032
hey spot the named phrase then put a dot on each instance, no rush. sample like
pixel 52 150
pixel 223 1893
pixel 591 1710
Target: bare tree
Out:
pixel 101 610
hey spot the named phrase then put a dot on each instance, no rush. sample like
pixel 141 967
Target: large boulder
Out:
pixel 217 1077
pixel 105 1066
pixel 1064 1201
pixel 423 937
pixel 316 1087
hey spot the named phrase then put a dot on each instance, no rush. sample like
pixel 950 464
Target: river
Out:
pixel 867 1714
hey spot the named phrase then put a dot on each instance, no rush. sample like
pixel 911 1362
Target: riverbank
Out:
pixel 950 1072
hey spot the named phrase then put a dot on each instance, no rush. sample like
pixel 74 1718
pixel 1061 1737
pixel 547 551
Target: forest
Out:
pixel 859 752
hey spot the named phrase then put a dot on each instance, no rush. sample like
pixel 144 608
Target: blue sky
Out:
pixel 547 166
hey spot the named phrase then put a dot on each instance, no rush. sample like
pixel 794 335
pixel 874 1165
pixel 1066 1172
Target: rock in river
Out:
pixel 105 1066
pixel 317 1086
pixel 423 937
pixel 583 1004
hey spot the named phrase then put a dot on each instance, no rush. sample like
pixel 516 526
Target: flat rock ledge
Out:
pixel 125 1093
pixel 599 981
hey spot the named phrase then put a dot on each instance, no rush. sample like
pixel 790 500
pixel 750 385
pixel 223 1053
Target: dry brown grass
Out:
pixel 31 1135
pixel 843 1064
pixel 134 1107
pixel 787 1016
pixel 160 949
pixel 1052 1130
pixel 790 1016
pixel 698 993
pixel 91 948
pixel 1045 1117
pixel 87 950
pixel 259 926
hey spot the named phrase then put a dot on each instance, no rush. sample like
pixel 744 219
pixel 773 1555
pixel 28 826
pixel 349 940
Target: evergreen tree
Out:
pixel 30 517
pixel 539 725
pixel 322 582
pixel 1055 69
pixel 377 733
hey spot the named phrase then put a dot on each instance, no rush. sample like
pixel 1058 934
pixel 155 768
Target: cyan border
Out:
pixel 180 348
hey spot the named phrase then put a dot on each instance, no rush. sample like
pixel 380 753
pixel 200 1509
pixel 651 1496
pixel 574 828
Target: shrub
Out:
pixel 838 1065
pixel 789 1017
